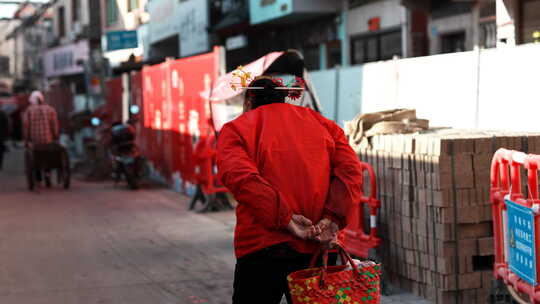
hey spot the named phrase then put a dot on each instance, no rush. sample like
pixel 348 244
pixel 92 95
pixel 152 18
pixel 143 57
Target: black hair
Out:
pixel 268 95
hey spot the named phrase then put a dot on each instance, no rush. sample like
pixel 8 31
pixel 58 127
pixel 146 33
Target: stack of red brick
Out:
pixel 436 219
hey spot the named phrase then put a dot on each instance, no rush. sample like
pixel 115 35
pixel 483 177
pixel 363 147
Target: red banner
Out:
pixel 191 113
pixel 174 116
pixel 152 99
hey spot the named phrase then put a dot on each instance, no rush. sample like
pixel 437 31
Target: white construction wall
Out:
pixel 495 89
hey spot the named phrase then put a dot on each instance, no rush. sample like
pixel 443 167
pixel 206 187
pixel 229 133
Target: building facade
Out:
pixel 7 58
pixel 382 30
pixel 518 22
pixel 250 29
pixel 74 57
pixel 462 26
pixel 124 28
pixel 26 38
pixel 178 28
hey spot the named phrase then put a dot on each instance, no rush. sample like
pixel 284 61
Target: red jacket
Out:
pixel 279 160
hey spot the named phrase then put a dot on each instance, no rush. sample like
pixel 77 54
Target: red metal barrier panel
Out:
pixel 114 99
pixel 353 237
pixel 137 99
pixel 516 221
pixel 153 94
pixel 174 117
pixel 191 117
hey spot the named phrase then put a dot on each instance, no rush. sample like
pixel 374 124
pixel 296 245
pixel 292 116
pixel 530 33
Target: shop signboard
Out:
pixel 119 40
pixel 66 60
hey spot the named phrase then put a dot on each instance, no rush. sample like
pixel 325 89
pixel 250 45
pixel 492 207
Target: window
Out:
pixel 61 22
pixel 333 50
pixel 4 65
pixel 453 43
pixel 312 58
pixel 112 12
pixel 488 35
pixel 75 10
pixel 390 45
pixel 375 47
pixel 358 51
pixel 133 5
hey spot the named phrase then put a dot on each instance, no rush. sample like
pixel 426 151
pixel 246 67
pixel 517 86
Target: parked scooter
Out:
pixel 126 157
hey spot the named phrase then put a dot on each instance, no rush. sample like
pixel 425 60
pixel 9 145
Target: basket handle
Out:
pixel 324 269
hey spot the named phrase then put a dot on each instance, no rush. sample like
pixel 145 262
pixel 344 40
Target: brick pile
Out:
pixel 435 219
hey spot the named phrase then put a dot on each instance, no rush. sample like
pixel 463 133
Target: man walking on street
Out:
pixel 40 125
pixel 294 176
pixel 4 135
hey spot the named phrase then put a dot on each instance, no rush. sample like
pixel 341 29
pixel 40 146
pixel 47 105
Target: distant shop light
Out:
pixel 134 109
pixel 95 121
pixel 536 36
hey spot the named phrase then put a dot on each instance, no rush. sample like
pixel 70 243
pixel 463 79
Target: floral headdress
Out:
pixel 245 78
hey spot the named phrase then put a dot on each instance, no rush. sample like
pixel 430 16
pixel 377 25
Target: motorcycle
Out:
pixel 126 158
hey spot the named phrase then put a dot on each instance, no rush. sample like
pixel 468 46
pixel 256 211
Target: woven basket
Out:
pixel 336 284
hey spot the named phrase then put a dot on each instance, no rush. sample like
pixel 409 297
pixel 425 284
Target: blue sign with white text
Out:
pixel 120 40
pixel 521 241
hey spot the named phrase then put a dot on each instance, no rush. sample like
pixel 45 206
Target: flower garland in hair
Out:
pixel 245 78
pixel 298 83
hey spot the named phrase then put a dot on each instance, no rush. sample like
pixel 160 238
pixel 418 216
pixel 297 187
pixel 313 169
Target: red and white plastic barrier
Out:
pixel 516 245
pixel 355 239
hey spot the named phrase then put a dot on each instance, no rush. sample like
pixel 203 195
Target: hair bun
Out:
pixel 267 95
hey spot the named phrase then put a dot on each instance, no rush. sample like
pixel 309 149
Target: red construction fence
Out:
pixel 516 220
pixel 174 116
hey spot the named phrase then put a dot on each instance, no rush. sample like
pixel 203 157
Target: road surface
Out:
pixel 97 244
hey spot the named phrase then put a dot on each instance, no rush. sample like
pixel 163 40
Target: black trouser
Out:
pixel 39 174
pixel 261 277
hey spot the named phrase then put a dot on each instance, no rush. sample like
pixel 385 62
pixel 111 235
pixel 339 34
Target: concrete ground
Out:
pixel 96 244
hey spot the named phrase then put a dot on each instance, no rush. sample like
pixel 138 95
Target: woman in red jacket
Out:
pixel 294 176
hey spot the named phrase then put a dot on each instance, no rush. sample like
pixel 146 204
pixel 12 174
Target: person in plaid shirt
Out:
pixel 40 126
pixel 40 121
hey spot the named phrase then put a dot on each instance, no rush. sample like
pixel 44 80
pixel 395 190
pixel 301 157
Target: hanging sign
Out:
pixel 521 241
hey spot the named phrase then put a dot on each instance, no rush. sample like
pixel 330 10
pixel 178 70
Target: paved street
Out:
pixel 96 244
